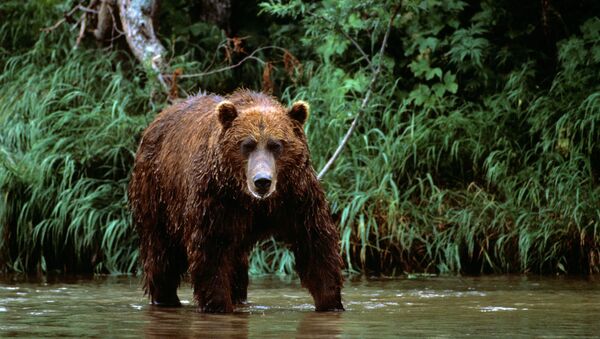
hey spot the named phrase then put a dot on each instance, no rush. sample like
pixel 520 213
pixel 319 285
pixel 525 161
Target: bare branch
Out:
pixel 226 68
pixel 364 54
pixel 81 30
pixel 364 103
pixel 87 10
pixel 55 26
pixel 61 21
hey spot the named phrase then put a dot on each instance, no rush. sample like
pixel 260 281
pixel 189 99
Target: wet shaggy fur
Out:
pixel 193 212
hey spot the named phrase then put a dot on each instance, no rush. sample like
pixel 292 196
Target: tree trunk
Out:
pixel 136 20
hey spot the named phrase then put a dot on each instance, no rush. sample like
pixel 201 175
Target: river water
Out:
pixel 496 306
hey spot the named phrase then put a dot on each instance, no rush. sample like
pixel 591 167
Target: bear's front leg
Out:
pixel 164 264
pixel 322 277
pixel 318 261
pixel 211 273
pixel 239 289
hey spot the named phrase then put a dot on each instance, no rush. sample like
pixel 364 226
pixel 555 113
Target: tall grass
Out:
pixel 69 125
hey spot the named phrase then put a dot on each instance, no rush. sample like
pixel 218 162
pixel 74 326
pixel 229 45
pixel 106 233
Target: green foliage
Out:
pixel 69 122
pixel 478 152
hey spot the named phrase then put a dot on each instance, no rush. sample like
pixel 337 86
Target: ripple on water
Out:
pixel 353 303
pixel 372 306
pixel 498 309
pixel 250 307
pixel 136 307
pixel 10 299
pixel 428 294
pixel 304 307
pixel 42 312
pixel 54 290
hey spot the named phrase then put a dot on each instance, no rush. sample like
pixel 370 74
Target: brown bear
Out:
pixel 214 175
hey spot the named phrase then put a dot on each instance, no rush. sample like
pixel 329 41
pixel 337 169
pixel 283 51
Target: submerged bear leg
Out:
pixel 239 289
pixel 211 271
pixel 318 261
pixel 322 279
pixel 163 270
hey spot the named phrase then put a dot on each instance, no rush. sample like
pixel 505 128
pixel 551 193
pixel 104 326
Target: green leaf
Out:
pixel 428 44
pixel 197 28
pixel 434 72
pixel 439 90
pixel 450 82
pixel 419 67
pixel 420 94
pixel 333 45
pixel 355 22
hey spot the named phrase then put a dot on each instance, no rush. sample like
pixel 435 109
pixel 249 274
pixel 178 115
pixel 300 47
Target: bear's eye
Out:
pixel 275 146
pixel 247 146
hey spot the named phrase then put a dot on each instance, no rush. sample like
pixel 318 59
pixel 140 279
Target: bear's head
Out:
pixel 263 143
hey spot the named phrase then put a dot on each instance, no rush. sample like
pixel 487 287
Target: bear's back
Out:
pixel 177 137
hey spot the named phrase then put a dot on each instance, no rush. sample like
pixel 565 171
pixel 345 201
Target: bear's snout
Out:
pixel 262 182
pixel 261 175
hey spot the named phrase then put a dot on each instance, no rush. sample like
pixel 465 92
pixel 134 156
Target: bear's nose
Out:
pixel 262 181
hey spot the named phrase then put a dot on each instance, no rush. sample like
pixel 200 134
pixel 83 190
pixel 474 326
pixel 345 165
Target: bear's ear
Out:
pixel 227 113
pixel 299 111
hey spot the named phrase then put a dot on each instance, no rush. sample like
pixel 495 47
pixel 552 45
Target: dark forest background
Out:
pixel 477 149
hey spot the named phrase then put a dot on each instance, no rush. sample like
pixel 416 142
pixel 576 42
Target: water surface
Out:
pixel 499 306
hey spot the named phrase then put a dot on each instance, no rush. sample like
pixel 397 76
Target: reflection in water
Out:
pixel 320 325
pixel 430 307
pixel 187 323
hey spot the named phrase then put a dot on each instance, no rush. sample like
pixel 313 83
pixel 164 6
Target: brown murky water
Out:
pixel 500 306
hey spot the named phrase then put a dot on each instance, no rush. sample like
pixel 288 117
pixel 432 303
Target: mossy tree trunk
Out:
pixel 137 23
